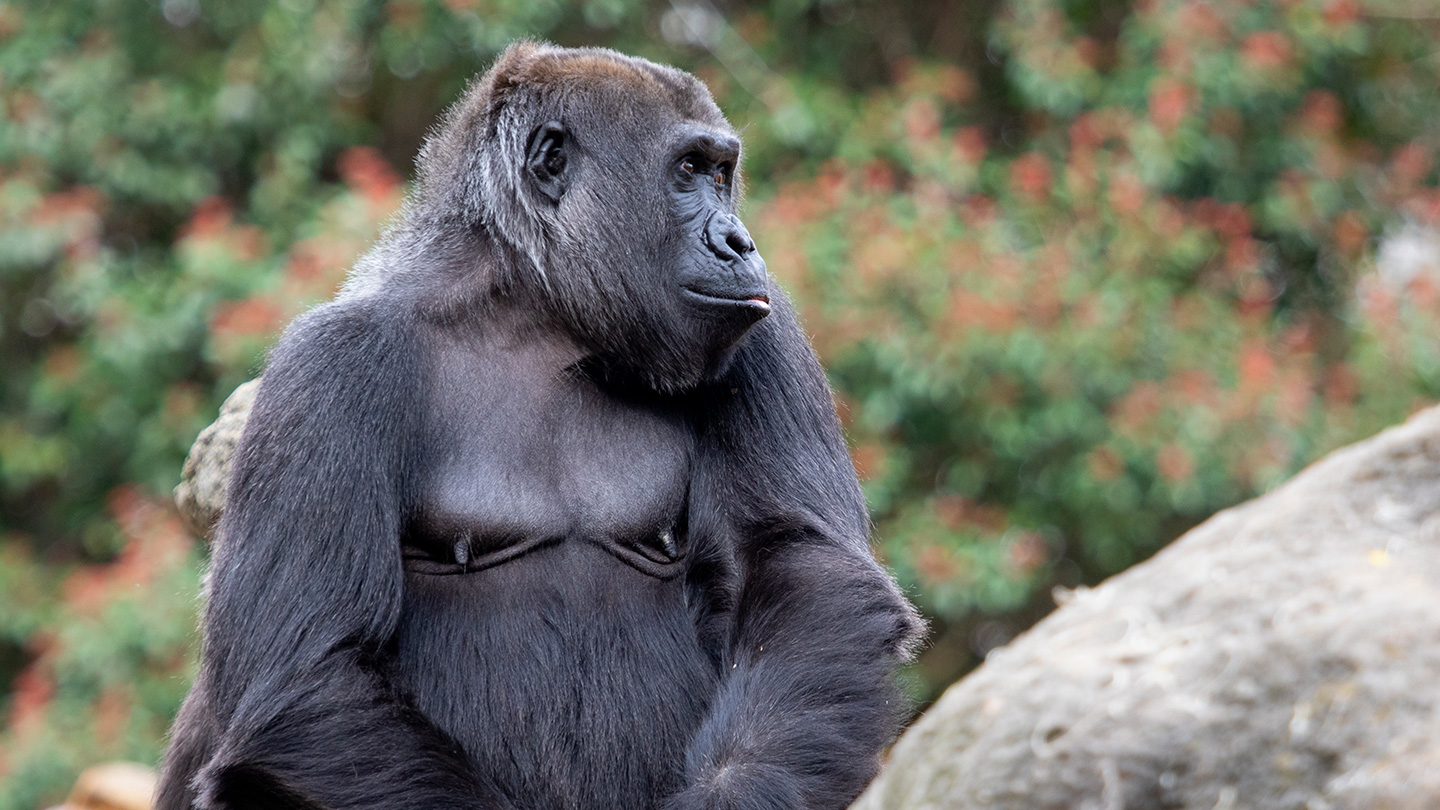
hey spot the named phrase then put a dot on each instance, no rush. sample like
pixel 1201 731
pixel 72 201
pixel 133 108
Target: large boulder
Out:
pixel 1284 654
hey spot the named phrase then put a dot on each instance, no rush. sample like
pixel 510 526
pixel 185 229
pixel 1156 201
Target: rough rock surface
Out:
pixel 1284 654
pixel 201 494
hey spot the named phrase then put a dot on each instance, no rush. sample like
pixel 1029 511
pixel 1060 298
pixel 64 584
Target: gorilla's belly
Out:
pixel 571 678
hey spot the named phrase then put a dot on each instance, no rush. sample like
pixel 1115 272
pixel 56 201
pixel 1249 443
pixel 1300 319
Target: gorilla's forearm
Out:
pixel 808 699
pixel 341 740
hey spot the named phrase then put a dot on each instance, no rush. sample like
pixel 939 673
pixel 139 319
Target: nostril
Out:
pixel 739 242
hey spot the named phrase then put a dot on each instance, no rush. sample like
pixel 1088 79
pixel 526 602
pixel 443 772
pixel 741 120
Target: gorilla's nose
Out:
pixel 727 238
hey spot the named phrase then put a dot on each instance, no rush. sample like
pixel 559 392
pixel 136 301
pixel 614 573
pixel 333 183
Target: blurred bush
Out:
pixel 1083 272
pixel 1140 291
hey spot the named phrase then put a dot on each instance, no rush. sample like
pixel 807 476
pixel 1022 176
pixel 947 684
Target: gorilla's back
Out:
pixel 571 678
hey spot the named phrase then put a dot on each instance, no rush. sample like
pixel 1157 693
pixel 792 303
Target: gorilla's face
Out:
pixel 631 180
pixel 719 270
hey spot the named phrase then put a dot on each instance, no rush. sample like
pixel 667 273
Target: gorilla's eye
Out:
pixel 721 178
pixel 687 166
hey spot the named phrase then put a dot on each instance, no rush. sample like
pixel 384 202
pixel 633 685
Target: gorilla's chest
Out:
pixel 523 454
pixel 560 653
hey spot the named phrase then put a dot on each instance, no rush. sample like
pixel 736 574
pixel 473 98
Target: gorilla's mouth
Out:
pixel 760 302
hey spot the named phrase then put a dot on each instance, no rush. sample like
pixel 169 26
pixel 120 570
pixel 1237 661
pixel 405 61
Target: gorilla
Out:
pixel 549 508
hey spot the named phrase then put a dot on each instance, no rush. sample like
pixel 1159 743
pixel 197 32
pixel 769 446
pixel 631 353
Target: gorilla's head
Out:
pixel 612 183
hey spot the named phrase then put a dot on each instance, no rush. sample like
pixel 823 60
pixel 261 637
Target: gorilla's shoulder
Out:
pixel 346 345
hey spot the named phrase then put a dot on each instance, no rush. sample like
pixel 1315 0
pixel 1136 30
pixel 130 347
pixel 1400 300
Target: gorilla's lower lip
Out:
pixel 759 301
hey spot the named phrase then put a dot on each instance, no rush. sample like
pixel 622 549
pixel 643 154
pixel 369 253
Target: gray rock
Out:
pixel 1284 654
pixel 201 494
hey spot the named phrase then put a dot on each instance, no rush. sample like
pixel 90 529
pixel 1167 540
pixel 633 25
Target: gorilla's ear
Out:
pixel 547 160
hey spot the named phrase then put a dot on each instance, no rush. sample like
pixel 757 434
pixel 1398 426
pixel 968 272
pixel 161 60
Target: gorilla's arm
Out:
pixel 807 700
pixel 305 588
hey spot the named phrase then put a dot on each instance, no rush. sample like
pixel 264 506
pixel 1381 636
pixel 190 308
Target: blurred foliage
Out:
pixel 1083 272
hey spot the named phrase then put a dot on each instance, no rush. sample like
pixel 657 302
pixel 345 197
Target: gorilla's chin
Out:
pixel 683 362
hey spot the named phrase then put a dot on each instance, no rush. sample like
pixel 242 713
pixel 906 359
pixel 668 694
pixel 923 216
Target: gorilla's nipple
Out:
pixel 667 544
pixel 462 551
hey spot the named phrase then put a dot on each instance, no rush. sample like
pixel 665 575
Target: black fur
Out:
pixel 548 509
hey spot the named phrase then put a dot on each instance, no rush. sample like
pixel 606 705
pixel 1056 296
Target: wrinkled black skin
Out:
pixel 521 521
